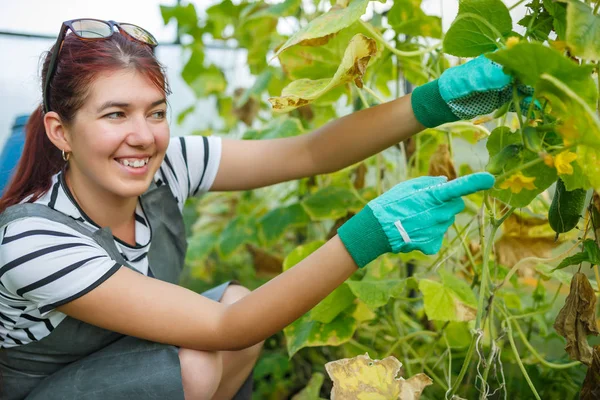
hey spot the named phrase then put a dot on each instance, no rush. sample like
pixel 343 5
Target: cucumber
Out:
pixel 498 162
pixel 532 139
pixel 566 207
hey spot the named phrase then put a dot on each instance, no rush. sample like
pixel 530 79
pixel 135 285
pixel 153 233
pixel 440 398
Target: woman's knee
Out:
pixel 233 293
pixel 201 373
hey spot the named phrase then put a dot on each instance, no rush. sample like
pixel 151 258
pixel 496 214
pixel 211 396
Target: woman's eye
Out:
pixel 115 115
pixel 159 114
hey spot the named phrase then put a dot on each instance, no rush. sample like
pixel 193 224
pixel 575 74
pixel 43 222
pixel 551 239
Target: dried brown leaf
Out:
pixel 247 112
pixel 266 265
pixel 577 319
pixel 591 385
pixel 440 163
pixel 525 237
pixel 362 377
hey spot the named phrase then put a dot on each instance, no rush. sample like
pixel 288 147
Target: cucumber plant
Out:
pixel 463 317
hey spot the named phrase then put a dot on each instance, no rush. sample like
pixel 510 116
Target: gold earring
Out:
pixel 65 156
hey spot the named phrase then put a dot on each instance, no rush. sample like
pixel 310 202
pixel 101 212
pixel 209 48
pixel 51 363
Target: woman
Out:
pixel 92 238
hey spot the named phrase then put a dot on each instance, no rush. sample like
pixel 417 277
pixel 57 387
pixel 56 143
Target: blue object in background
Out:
pixel 11 153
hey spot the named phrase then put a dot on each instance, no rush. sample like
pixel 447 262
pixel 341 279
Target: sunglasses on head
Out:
pixel 91 29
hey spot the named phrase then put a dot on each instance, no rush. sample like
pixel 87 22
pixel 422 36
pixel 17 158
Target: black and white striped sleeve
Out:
pixel 190 165
pixel 50 264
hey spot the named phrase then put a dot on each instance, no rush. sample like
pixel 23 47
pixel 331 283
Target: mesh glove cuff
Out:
pixel 364 238
pixel 429 107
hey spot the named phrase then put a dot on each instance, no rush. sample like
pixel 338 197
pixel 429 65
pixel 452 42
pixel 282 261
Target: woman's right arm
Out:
pixel 135 305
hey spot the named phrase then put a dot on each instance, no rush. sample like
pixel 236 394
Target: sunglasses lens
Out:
pixel 139 33
pixel 91 29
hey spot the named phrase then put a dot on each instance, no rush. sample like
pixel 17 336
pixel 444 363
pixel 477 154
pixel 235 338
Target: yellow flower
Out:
pixel 511 42
pixel 518 182
pixel 548 160
pixel 563 162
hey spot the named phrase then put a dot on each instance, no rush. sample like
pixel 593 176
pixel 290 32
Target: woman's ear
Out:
pixel 56 131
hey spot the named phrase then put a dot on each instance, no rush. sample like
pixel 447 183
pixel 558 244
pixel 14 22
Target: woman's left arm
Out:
pixel 250 164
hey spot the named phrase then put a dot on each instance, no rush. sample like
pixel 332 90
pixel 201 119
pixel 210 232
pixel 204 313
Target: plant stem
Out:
pixel 463 370
pixel 362 98
pixel 533 259
pixel 487 250
pixel 537 355
pixel 521 366
pixel 377 36
pixel 372 93
pixel 406 338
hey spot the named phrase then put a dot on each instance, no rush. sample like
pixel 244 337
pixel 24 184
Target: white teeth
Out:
pixel 135 163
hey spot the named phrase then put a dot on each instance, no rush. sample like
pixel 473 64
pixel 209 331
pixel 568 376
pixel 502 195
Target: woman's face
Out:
pixel 119 137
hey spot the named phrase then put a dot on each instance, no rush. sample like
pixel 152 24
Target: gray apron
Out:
pixel 81 361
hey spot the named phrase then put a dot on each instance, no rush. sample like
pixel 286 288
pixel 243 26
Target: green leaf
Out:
pixel 451 300
pixel 316 62
pixel 548 272
pixel 377 293
pixel 278 128
pixel 477 27
pixel 209 81
pixel 200 245
pixel 541 26
pixel 332 202
pixel 407 17
pixel 529 61
pixel 277 221
pixel 283 9
pixel 501 137
pixel 275 365
pixel 352 68
pixel 260 85
pixel 559 13
pixel 257 35
pixel 239 231
pixel 590 253
pixel 583 31
pixel 186 17
pixel 332 305
pixel 579 124
pixel 300 253
pixel 194 65
pixel 307 333
pixel 312 389
pixel 336 19
pixel 185 113
pixel 544 175
pixel 220 16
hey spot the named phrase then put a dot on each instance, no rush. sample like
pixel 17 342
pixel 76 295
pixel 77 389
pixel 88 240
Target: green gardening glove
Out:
pixel 463 92
pixel 413 215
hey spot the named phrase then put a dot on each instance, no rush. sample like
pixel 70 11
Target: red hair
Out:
pixel 79 63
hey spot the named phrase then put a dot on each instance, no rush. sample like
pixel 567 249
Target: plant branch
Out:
pixel 521 366
pixel 372 93
pixel 377 36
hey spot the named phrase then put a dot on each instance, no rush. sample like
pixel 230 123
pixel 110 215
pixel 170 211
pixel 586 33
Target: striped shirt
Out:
pixel 45 264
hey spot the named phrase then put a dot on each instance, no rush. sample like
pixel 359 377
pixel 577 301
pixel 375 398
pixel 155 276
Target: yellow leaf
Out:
pixel 518 182
pixel 352 68
pixel 362 378
pixel 563 162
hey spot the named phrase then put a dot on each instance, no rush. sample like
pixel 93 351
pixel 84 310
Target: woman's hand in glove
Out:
pixel 413 215
pixel 463 92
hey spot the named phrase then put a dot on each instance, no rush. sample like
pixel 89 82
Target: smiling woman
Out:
pixel 100 162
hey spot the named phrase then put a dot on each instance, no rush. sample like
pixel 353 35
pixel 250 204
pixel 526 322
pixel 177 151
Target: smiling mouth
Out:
pixel 133 162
